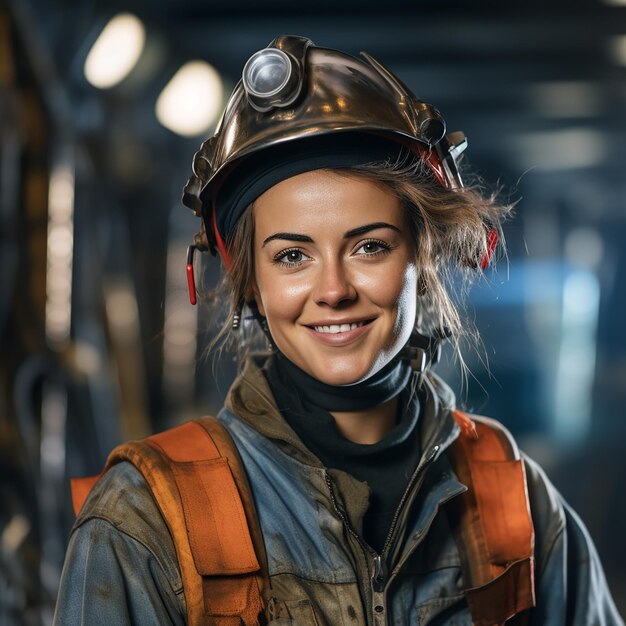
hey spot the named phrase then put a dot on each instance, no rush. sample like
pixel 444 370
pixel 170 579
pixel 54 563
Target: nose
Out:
pixel 334 285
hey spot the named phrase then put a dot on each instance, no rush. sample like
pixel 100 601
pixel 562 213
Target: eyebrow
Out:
pixel 359 230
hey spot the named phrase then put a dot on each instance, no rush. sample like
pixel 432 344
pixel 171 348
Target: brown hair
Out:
pixel 449 227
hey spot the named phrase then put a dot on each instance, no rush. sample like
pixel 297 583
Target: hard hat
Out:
pixel 293 91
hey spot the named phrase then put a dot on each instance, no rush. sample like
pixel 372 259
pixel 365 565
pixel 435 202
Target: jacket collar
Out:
pixel 251 399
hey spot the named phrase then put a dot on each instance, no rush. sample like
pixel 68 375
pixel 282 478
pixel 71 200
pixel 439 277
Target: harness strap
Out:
pixel 198 483
pixel 492 522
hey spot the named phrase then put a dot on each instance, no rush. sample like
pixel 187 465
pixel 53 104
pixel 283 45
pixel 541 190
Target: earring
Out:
pixel 237 317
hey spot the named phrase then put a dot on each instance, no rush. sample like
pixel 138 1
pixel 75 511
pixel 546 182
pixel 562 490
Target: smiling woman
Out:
pixel 339 485
pixel 446 230
pixel 350 260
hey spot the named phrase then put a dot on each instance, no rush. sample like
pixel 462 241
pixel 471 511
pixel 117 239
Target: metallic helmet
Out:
pixel 293 90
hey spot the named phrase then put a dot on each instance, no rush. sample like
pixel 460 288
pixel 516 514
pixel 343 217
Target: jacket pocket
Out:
pixel 291 613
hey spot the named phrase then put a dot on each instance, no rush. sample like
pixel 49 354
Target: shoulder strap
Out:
pixel 492 522
pixel 198 482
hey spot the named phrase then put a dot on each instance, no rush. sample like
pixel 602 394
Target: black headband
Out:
pixel 255 174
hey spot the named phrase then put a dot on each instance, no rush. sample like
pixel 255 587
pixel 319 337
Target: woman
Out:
pixel 362 497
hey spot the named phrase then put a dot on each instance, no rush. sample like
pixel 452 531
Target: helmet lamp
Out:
pixel 270 79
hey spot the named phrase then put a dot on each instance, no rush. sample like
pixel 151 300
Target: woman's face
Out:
pixel 335 274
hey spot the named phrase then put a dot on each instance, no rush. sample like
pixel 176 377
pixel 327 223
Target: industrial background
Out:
pixel 102 105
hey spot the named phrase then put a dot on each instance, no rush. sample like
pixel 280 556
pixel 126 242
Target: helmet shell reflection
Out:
pixel 293 90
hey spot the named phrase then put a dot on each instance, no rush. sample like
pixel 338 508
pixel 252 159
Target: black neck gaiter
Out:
pixel 377 389
pixel 385 466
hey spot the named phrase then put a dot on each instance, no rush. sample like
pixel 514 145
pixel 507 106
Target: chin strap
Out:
pixel 423 351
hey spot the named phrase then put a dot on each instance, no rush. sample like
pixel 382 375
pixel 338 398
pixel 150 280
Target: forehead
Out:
pixel 325 199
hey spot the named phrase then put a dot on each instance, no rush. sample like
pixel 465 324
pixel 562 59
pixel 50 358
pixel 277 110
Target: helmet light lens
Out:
pixel 267 72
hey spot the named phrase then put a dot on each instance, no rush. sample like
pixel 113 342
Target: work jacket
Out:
pixel 121 565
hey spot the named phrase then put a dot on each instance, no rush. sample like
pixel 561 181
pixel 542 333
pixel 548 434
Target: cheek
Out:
pixel 279 298
pixel 406 300
pixel 391 287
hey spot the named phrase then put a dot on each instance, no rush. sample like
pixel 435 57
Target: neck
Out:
pixel 368 426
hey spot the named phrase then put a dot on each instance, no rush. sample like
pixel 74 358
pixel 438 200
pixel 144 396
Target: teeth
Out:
pixel 338 328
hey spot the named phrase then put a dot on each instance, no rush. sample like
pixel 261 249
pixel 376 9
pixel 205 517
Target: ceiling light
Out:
pixel 561 149
pixel 116 51
pixel 617 49
pixel 566 99
pixel 190 103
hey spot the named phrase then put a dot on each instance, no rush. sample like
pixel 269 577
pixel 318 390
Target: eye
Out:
pixel 372 247
pixel 291 257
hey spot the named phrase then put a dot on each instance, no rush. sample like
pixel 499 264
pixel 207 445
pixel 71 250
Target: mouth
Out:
pixel 333 329
pixel 339 334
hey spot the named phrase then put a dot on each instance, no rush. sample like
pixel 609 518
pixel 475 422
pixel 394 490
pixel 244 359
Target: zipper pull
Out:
pixel 380 574
pixel 432 455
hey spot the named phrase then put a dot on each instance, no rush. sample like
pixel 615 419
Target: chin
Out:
pixel 343 371
pixel 338 380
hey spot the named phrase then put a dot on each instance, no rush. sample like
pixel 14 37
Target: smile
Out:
pixel 338 328
pixel 339 334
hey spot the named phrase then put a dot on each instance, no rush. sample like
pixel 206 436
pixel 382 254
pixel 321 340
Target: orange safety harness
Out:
pixel 197 479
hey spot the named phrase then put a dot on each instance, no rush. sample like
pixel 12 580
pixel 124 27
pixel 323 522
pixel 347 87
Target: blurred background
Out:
pixel 102 105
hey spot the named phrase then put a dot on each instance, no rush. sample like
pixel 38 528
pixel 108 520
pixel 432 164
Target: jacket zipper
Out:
pixel 367 550
pixel 344 519
pixel 379 577
pixel 431 456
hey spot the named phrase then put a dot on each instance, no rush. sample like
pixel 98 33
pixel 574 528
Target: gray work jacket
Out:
pixel 121 566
